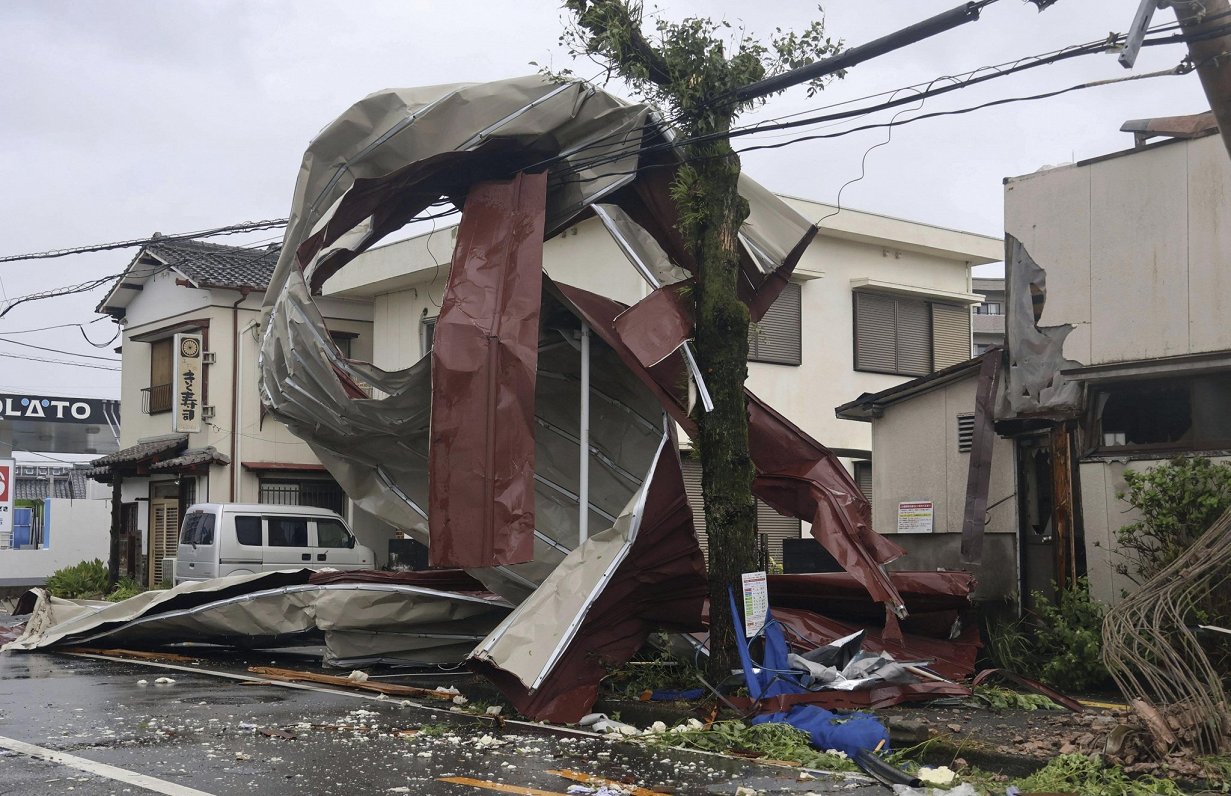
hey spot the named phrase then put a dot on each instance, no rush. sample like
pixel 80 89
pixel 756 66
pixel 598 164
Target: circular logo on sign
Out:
pixel 190 347
pixel 4 484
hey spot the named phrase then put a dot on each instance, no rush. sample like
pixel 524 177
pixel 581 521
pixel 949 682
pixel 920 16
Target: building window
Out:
pixel 343 342
pixel 772 527
pixel 908 336
pixel 427 331
pixel 776 338
pixel 863 477
pixel 1173 414
pixel 157 397
pixel 965 433
pixel 989 308
pixel 320 492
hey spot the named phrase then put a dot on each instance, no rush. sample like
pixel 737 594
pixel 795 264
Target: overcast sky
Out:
pixel 123 118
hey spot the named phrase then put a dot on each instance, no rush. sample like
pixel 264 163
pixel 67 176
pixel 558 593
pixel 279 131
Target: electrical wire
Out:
pixel 69 290
pixel 231 229
pixel 57 350
pixel 57 361
pixel 57 326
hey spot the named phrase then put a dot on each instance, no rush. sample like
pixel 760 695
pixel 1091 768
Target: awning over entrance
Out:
pixel 166 454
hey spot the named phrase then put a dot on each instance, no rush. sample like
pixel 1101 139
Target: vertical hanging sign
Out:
pixel 8 484
pixel 187 402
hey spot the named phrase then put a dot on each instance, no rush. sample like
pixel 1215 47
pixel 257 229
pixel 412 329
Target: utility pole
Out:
pixel 1211 52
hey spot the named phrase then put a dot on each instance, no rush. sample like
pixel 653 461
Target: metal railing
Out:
pixel 156 399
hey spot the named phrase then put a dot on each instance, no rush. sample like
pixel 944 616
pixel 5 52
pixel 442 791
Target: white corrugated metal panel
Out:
pixel 776 338
pixel 692 487
pixel 950 335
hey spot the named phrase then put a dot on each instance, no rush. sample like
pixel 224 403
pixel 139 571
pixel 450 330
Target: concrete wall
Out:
pixel 74 531
pixel 1135 248
pixel 916 458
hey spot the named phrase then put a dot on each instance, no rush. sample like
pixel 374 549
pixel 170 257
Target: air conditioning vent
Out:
pixel 209 358
pixel 965 433
pixel 208 412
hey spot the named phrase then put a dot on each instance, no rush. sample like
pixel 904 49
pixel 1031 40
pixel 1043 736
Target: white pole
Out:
pixel 583 470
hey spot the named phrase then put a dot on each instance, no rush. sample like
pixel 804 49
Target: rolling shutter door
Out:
pixel 874 333
pixel 692 487
pixel 914 337
pixel 777 337
pixel 950 335
pixel 775 528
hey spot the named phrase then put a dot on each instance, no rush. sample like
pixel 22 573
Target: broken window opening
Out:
pixel 1172 414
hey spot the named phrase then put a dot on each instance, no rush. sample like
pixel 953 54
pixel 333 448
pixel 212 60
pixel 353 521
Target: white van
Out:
pixel 218 539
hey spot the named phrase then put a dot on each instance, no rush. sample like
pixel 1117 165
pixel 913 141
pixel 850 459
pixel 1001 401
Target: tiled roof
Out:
pixel 56 482
pixel 144 449
pixel 191 458
pixel 216 265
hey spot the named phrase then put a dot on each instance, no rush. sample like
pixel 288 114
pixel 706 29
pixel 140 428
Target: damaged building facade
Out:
pixel 1117 357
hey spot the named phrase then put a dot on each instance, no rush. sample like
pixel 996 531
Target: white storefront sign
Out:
pixel 187 398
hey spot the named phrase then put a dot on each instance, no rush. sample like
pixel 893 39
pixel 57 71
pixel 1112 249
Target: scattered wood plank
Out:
pixel 388 689
pixel 142 655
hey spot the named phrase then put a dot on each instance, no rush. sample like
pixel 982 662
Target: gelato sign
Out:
pixel 56 410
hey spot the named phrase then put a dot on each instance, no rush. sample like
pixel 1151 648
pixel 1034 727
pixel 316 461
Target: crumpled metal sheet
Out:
pixel 484 359
pixel 646 572
pixel 796 475
pixel 390 621
pixel 399 151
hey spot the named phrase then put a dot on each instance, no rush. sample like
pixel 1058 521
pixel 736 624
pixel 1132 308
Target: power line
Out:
pixel 57 361
pixel 56 350
pixel 232 229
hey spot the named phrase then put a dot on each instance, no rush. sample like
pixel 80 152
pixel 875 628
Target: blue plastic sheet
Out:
pixel 848 733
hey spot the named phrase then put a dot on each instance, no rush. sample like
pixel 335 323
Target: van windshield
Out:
pixel 198 529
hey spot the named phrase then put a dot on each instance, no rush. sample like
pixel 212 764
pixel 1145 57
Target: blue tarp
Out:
pixel 847 733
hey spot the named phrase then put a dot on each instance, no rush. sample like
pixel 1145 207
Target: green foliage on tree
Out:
pixel 1178 501
pixel 692 69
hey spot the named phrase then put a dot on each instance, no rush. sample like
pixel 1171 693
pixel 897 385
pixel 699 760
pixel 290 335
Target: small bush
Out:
pixel 127 587
pixel 84 581
pixel 1178 500
pixel 1061 644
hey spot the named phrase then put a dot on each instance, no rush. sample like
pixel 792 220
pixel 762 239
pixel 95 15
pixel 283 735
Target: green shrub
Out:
pixel 1061 644
pixel 86 580
pixel 1178 501
pixel 127 587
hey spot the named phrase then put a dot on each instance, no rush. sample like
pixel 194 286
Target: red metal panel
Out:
pixel 660 585
pixel 484 360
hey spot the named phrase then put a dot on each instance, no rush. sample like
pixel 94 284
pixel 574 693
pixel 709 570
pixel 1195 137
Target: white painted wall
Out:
pixel 75 530
pixel 1135 248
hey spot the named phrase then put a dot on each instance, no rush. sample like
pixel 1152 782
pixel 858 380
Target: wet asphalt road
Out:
pixel 222 737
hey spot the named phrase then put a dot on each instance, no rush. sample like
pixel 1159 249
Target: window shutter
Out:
pixel 775 528
pixel 914 337
pixel 863 478
pixel 777 337
pixel 965 433
pixel 692 488
pixel 950 335
pixel 874 333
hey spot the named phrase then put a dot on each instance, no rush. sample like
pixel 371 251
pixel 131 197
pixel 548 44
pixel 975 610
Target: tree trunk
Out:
pixel 713 212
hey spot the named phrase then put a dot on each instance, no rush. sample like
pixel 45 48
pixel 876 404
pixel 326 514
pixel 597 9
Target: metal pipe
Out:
pixel 583 448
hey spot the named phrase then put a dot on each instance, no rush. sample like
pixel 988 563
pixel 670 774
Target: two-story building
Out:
pixel 1117 356
pixel 209 295
pixel 873 302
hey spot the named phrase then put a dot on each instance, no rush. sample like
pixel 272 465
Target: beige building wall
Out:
pixel 917 459
pixel 1135 248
